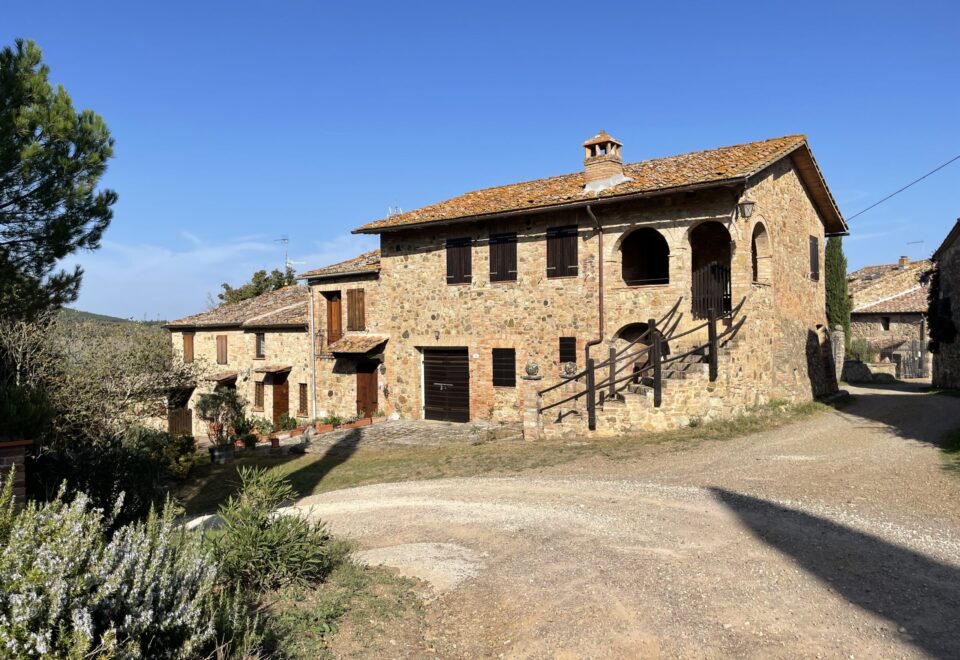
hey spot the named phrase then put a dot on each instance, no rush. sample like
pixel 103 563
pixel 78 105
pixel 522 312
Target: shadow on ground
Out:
pixel 911 590
pixel 217 482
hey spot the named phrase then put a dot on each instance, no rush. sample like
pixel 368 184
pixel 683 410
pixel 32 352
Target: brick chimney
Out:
pixel 904 262
pixel 602 163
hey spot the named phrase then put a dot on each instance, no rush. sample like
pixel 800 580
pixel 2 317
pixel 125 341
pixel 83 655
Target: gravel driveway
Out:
pixel 838 536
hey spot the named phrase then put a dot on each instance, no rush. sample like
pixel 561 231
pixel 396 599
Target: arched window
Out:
pixel 760 254
pixel 645 258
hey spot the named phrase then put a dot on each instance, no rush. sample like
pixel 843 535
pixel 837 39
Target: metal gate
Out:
pixel 913 359
pixel 711 290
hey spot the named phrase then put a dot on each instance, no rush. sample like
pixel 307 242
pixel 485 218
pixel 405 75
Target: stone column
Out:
pixel 531 382
pixel 838 343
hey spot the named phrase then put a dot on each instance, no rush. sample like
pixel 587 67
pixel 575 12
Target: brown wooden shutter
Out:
pixel 221 349
pixel 503 257
pixel 258 396
pixel 188 347
pixel 459 261
pixel 334 319
pixel 356 315
pixel 814 258
pixel 562 252
pixel 302 407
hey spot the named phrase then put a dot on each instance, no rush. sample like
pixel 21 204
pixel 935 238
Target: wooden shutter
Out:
pixel 188 347
pixel 302 407
pixel 221 349
pixel 334 319
pixel 568 349
pixel 814 258
pixel 356 316
pixel 258 396
pixel 562 252
pixel 459 262
pixel 504 367
pixel 503 257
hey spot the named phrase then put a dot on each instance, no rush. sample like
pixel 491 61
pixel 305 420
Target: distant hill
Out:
pixel 79 316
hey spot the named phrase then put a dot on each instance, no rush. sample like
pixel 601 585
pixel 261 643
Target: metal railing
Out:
pixel 644 363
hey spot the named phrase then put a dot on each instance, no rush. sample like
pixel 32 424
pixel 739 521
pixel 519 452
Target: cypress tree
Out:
pixel 838 299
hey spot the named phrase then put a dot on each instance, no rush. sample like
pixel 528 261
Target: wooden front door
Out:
pixel 281 399
pixel 446 384
pixel 366 389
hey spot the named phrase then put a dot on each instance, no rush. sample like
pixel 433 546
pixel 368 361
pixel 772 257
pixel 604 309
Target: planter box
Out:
pixel 222 454
pixel 297 431
pixel 323 428
pixel 360 422
pixel 379 420
pixel 263 438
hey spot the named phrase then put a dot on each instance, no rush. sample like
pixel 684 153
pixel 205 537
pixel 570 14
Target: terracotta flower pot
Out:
pixel 358 423
pixel 323 428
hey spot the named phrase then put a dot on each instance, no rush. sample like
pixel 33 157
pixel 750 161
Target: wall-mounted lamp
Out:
pixel 383 368
pixel 436 335
pixel 746 207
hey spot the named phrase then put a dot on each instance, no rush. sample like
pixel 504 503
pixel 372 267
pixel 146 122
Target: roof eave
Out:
pixel 333 276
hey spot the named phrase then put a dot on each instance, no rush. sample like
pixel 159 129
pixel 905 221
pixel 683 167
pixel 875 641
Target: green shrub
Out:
pixel 860 349
pixel 71 589
pixel 249 440
pixel 25 413
pixel 262 425
pixel 222 410
pixel 287 423
pixel 259 549
pixel 335 420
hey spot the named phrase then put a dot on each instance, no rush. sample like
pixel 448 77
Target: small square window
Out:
pixel 504 367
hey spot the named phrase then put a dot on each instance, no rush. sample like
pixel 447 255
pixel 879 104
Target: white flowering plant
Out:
pixel 69 588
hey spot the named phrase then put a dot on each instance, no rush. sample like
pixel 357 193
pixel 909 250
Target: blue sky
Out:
pixel 237 123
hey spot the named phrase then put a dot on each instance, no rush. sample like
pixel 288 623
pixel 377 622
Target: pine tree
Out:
pixel 51 160
pixel 838 299
pixel 259 284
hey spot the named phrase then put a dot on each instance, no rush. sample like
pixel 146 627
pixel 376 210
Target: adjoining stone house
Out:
pixel 259 346
pixel 889 311
pixel 478 303
pixel 946 357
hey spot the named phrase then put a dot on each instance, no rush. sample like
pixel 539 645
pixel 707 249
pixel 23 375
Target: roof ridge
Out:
pixel 274 311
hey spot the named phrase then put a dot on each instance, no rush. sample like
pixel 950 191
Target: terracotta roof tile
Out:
pixel 286 300
pixel 913 301
pixel 368 262
pixel 223 376
pixel 714 166
pixel 273 369
pixel 357 343
pixel 296 314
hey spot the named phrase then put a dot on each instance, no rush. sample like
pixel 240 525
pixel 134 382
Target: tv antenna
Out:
pixel 284 240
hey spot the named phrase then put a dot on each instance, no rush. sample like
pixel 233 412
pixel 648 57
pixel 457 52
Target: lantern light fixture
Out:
pixel 745 206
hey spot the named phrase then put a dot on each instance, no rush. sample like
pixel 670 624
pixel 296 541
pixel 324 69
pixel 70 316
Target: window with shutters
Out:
pixel 562 252
pixel 503 257
pixel 356 317
pixel 261 345
pixel 504 367
pixel 568 349
pixel 814 258
pixel 258 396
pixel 334 317
pixel 302 407
pixel 459 266
pixel 221 349
pixel 188 347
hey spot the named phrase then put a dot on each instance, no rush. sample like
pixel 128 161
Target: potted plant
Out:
pixel 328 423
pixel 222 410
pixel 249 441
pixel 263 427
pixel 287 423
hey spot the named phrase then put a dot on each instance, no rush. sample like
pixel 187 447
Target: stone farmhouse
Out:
pixel 260 347
pixel 889 311
pixel 621 297
pixel 946 285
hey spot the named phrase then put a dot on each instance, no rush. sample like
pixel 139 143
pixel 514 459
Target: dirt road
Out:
pixel 838 536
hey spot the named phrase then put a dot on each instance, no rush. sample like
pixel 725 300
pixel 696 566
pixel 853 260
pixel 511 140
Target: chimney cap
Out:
pixel 904 260
pixel 602 138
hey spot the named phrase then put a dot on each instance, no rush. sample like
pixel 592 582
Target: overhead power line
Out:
pixel 893 194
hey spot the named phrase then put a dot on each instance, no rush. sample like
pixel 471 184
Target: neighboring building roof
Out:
pixel 356 343
pixel 948 241
pixel 714 167
pixel 283 307
pixel 222 377
pixel 913 301
pixel 274 369
pixel 889 288
pixel 368 262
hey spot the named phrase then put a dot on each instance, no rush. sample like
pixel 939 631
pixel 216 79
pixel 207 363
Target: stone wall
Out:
pixel 781 354
pixel 288 347
pixel 904 327
pixel 946 361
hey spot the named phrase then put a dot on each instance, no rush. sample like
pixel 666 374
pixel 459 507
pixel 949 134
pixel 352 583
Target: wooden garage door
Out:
pixel 446 384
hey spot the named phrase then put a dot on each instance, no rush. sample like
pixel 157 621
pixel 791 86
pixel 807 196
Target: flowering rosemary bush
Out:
pixel 70 589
